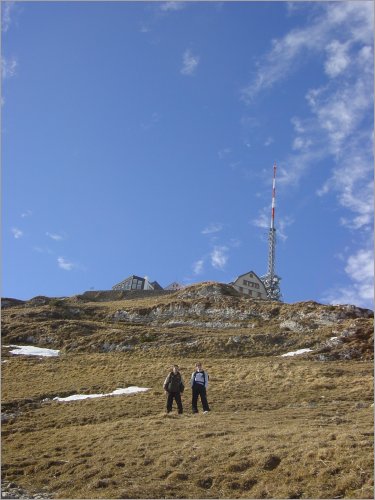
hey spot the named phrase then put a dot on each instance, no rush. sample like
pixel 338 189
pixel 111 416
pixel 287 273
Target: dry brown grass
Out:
pixel 279 427
pixel 283 428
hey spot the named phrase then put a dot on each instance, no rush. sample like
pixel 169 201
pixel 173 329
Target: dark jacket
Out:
pixel 174 383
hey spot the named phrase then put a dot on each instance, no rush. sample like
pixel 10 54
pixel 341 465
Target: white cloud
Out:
pixel 347 19
pixel 189 63
pixel 212 228
pixel 298 125
pixel 17 233
pixel 337 135
pixel 281 226
pixel 263 220
pixel 198 266
pixel 28 213
pixel 64 264
pixel 219 257
pixel 360 266
pixel 144 28
pixel 340 110
pixel 8 67
pixel 337 130
pixel 353 183
pixel 172 6
pixel 223 153
pixel 301 143
pixel 6 10
pixel 268 141
pixel 360 269
pixel 338 58
pixel 55 236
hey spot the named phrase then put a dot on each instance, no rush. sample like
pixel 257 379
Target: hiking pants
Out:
pixel 199 390
pixel 174 396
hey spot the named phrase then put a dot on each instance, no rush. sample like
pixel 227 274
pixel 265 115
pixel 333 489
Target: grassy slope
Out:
pixel 279 427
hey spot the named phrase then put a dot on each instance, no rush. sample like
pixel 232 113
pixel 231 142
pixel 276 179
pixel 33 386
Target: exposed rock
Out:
pixel 210 316
pixel 11 490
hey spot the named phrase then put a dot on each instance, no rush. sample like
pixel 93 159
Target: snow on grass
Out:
pixel 28 350
pixel 295 353
pixel 117 392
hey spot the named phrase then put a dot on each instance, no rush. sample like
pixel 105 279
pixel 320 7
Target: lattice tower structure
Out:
pixel 271 280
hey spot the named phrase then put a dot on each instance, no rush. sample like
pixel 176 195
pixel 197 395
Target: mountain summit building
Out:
pixel 251 285
pixel 137 283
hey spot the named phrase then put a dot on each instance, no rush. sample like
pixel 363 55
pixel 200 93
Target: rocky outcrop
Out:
pixel 208 317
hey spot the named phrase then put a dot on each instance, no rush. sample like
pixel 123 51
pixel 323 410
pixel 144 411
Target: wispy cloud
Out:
pixel 338 129
pixel 189 63
pixel 55 236
pixel 65 264
pixel 172 6
pixel 8 67
pixel 338 58
pixel 268 141
pixel 27 213
pixel 6 11
pixel 351 19
pixel 222 153
pixel 144 28
pixel 360 269
pixel 263 221
pixel 219 257
pixel 283 223
pixel 212 228
pixel 198 267
pixel 45 250
pixel 301 143
pixel 17 233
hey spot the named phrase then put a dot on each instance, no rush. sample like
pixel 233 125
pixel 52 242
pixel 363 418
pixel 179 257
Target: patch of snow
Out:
pixel 117 392
pixel 295 353
pixel 28 350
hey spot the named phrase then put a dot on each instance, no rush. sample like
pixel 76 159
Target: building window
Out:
pixel 250 292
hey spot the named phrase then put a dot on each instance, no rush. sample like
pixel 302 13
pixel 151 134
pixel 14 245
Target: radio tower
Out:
pixel 271 280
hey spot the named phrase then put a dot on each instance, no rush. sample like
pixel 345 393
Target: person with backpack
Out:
pixel 199 384
pixel 174 386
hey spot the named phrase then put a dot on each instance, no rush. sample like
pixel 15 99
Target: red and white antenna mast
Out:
pixel 273 197
pixel 271 280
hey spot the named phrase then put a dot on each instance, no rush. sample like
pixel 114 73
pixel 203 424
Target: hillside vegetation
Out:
pixel 280 427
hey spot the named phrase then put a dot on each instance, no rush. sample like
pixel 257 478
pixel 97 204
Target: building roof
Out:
pixel 244 274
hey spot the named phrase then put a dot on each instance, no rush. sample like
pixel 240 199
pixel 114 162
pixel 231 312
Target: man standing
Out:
pixel 199 384
pixel 173 387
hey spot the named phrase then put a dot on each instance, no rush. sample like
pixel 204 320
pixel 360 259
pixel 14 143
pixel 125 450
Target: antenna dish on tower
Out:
pixel 271 280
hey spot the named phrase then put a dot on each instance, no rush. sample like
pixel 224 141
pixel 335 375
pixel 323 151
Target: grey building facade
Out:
pixel 251 285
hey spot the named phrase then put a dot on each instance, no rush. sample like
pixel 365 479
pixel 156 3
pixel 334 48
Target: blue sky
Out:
pixel 139 138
